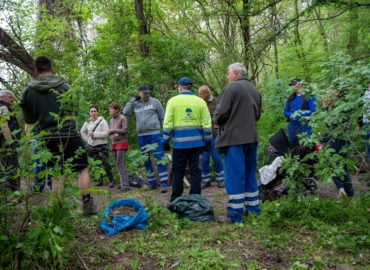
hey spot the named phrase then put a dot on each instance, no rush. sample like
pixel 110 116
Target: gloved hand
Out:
pixel 166 146
pixel 207 147
pixel 137 98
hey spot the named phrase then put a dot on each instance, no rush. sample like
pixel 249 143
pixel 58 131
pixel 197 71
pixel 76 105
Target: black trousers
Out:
pixel 101 152
pixel 8 168
pixel 182 157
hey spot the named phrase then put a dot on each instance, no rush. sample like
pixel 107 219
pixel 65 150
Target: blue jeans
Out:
pixel 295 128
pixel 240 181
pixel 346 183
pixel 157 152
pixel 217 161
pixel 39 182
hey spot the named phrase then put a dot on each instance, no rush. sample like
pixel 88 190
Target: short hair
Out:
pixel 189 87
pixel 238 67
pixel 205 87
pixel 5 93
pixel 43 64
pixel 115 105
pixel 94 107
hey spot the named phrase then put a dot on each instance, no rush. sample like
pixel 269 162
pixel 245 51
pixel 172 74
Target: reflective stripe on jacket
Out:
pixel 187 121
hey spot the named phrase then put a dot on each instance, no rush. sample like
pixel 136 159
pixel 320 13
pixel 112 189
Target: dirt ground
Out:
pixel 218 197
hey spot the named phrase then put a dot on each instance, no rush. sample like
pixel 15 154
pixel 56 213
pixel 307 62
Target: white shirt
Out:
pixel 100 133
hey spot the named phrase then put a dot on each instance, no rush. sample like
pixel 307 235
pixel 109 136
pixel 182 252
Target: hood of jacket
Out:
pixel 44 83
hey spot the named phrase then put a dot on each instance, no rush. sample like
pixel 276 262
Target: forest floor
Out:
pixel 259 243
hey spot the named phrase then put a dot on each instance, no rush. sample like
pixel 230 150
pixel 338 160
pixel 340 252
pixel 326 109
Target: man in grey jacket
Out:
pixel 149 118
pixel 238 111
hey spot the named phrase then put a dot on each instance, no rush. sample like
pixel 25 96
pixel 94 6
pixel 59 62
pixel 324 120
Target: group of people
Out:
pixel 190 123
pixel 197 126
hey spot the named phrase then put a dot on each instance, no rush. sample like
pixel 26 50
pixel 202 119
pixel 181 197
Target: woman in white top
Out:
pixel 95 133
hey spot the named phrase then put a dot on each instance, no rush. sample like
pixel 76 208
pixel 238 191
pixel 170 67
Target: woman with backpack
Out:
pixel 95 134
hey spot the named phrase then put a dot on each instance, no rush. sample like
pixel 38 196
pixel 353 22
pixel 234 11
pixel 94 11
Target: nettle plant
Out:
pixel 35 228
pixel 338 97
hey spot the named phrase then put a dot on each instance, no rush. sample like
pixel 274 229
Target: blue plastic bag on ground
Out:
pixel 119 222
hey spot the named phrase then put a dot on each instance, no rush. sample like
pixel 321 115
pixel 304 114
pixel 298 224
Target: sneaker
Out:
pixel 148 188
pixel 221 184
pixel 164 189
pixel 111 185
pixel 89 208
pixel 205 184
pixel 342 193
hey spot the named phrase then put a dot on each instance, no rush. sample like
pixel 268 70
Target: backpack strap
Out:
pixel 97 125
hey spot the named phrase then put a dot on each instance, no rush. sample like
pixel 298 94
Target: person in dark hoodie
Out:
pixel 44 105
pixel 237 112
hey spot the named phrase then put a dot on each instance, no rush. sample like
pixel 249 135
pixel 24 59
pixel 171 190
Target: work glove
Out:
pixel 166 146
pixel 207 147
pixel 137 98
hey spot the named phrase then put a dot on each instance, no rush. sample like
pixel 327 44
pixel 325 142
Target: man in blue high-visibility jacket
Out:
pixel 297 107
pixel 188 123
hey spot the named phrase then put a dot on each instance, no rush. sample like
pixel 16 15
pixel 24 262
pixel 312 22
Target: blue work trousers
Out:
pixel 151 145
pixel 240 181
pixel 217 162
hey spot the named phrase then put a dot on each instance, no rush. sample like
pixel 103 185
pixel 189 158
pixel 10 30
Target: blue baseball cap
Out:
pixel 185 81
pixel 144 88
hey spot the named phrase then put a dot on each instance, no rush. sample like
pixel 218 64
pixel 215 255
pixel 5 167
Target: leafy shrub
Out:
pixel 339 224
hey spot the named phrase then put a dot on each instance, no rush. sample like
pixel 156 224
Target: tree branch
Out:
pixel 16 54
pixel 346 3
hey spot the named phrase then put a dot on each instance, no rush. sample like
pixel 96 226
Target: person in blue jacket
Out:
pixel 298 123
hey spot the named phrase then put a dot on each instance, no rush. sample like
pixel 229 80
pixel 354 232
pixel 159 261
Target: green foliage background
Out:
pixel 95 46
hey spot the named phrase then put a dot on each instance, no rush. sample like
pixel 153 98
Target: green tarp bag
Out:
pixel 194 207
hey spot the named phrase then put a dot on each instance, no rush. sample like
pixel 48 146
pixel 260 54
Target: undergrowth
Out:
pixel 292 232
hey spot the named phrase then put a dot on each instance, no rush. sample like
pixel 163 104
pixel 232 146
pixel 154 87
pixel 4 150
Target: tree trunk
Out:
pixel 322 30
pixel 57 9
pixel 143 28
pixel 11 52
pixel 246 35
pixel 298 42
pixel 353 33
pixel 274 25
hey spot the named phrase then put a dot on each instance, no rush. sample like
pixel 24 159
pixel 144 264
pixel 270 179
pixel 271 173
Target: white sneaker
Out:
pixel 342 193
